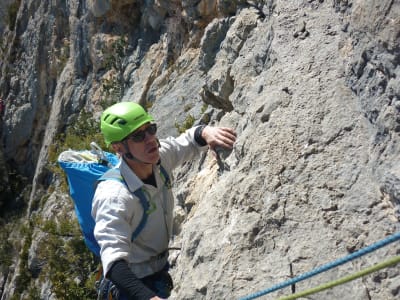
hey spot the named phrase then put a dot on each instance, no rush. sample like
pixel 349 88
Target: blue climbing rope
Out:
pixel 323 268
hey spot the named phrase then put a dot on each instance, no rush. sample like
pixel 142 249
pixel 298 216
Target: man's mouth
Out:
pixel 152 149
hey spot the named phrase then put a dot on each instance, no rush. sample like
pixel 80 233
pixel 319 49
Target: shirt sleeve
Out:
pixel 127 282
pixel 176 151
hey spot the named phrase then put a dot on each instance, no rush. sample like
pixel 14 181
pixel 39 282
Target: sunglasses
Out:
pixel 139 136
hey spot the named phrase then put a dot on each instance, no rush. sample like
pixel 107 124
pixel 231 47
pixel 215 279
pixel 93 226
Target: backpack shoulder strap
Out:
pixel 165 177
pixel 145 204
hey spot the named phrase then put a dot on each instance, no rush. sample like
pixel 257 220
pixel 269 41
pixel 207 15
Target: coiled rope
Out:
pixel 391 262
pixel 323 268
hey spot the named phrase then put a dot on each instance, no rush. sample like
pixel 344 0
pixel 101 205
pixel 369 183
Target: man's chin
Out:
pixel 154 157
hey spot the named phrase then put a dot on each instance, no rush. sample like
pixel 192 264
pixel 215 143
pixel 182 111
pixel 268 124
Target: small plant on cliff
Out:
pixel 14 194
pixel 12 14
pixel 186 124
pixel 68 261
pixel 6 246
pixel 24 278
pixel 113 84
pixel 79 135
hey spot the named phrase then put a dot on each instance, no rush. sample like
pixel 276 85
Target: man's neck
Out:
pixel 141 170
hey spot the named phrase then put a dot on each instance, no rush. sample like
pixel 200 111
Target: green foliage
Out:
pixel 148 105
pixel 204 108
pixel 187 123
pixel 205 118
pixel 70 264
pixel 14 194
pixel 67 263
pixel 5 246
pixel 34 293
pixel 12 11
pixel 78 136
pixel 114 57
pixel 85 125
pixel 5 251
pixel 113 86
pixel 24 278
pixel 2 49
pixel 112 91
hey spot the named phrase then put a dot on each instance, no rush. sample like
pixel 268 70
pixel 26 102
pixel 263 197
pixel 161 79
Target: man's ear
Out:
pixel 118 148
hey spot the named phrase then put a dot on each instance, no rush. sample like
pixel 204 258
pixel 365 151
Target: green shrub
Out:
pixel 69 263
pixel 12 11
pixel 78 136
pixel 24 278
pixel 187 123
pixel 6 247
pixel 113 87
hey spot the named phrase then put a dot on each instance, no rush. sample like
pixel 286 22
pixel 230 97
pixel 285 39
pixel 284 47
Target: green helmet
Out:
pixel 121 119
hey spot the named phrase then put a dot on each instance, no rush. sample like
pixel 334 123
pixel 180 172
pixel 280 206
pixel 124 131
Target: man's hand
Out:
pixel 224 137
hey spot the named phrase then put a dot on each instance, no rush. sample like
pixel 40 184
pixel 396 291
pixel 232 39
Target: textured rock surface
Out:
pixel 312 88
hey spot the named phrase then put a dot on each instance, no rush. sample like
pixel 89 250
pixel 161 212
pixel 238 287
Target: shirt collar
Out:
pixel 132 180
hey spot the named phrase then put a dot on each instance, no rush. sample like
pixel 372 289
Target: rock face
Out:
pixel 312 88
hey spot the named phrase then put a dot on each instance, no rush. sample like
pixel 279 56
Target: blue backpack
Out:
pixel 84 169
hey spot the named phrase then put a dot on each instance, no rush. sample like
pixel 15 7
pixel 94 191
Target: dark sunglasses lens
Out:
pixel 152 129
pixel 138 136
pixel 141 135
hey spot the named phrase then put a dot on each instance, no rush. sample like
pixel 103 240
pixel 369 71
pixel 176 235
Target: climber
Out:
pixel 139 268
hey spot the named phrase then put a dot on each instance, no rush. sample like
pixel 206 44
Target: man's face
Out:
pixel 143 144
